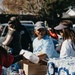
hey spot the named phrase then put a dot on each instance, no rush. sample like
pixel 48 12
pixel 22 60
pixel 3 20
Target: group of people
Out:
pixel 43 45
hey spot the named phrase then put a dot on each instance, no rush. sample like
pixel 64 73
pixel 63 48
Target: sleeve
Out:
pixel 9 60
pixel 54 35
pixel 65 50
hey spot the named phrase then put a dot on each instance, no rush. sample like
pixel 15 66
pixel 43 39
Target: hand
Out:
pixel 43 62
pixel 22 52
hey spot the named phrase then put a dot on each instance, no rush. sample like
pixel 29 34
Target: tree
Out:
pixel 32 6
pixel 53 9
pixel 45 9
pixel 25 6
pixel 13 6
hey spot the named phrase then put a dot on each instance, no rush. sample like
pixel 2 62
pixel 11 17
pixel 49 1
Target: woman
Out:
pixel 43 45
pixel 13 37
pixel 68 45
pixel 12 42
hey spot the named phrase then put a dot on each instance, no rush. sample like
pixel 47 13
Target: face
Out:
pixel 40 33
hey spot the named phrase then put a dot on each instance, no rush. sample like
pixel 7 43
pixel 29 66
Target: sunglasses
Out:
pixel 41 30
pixel 61 31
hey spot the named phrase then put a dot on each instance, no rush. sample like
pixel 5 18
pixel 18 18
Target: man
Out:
pixel 43 45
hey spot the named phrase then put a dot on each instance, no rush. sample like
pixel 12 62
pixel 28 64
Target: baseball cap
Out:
pixel 64 24
pixel 39 25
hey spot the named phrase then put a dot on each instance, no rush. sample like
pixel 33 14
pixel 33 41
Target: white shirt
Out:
pixel 44 46
pixel 66 49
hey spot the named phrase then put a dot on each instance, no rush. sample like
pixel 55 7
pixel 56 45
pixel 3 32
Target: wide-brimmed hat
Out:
pixel 64 24
pixel 39 25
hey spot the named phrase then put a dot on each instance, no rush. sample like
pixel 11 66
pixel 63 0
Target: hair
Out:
pixel 14 23
pixel 68 33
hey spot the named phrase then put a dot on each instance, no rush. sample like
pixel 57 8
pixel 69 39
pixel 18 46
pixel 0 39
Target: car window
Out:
pixel 30 30
pixel 30 27
pixel 27 22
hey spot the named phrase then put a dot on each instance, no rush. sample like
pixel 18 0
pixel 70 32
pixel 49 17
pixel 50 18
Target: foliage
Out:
pixel 53 9
pixel 23 6
pixel 46 9
pixel 13 5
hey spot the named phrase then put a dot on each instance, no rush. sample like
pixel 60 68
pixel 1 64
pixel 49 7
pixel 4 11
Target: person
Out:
pixel 65 28
pixel 53 35
pixel 43 45
pixel 12 41
pixel 6 57
pixel 21 36
pixel 13 37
